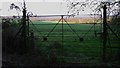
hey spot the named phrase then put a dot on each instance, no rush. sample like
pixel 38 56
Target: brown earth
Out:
pixel 71 20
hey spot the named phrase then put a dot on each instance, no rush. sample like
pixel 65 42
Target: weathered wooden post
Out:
pixel 62 30
pixel 104 33
pixel 24 34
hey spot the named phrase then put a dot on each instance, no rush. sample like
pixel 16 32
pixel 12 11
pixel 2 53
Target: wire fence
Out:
pixel 82 43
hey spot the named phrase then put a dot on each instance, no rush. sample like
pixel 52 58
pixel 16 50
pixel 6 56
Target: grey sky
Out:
pixel 47 7
pixel 37 8
pixel 40 7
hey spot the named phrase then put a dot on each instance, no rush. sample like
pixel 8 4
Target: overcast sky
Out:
pixel 39 7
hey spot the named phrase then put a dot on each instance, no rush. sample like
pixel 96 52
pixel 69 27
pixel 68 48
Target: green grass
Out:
pixel 72 50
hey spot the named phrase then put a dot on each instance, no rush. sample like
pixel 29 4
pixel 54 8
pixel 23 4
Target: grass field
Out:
pixel 72 49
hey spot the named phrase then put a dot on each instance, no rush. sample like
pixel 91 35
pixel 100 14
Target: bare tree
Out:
pixel 95 6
